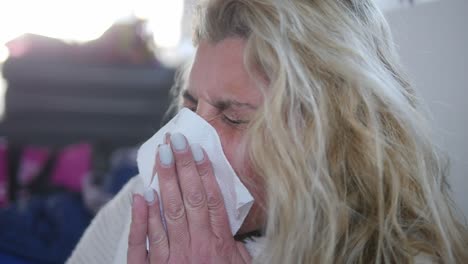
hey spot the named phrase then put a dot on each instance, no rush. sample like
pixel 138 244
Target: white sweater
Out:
pixel 105 240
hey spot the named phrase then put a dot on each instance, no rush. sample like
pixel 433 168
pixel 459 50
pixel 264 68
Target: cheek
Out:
pixel 235 149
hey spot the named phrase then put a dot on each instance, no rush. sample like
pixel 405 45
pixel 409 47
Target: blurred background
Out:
pixel 83 83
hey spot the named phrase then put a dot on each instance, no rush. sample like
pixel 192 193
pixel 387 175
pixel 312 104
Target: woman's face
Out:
pixel 221 91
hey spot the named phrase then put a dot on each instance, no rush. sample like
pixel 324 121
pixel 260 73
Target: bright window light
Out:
pixel 165 19
pixel 84 20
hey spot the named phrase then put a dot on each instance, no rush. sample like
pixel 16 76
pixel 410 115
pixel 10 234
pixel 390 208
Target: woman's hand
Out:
pixel 197 223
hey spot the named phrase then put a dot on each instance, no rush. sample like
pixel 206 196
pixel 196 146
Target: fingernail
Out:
pixel 178 141
pixel 149 196
pixel 165 155
pixel 197 153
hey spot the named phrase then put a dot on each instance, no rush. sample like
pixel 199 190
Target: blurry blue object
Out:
pixel 8 259
pixel 43 230
pixel 46 229
pixel 123 168
pixel 119 177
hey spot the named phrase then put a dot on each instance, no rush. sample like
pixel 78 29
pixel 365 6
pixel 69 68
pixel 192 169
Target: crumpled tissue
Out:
pixel 237 198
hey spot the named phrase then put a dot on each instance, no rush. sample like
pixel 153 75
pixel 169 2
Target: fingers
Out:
pixel 193 194
pixel 191 186
pixel 192 201
pixel 173 206
pixel 219 220
pixel 158 243
pixel 138 230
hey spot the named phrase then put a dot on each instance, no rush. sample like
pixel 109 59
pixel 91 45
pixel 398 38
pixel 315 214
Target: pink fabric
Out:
pixel 33 160
pixel 3 173
pixel 72 165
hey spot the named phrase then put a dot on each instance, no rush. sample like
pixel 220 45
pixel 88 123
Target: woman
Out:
pixel 321 125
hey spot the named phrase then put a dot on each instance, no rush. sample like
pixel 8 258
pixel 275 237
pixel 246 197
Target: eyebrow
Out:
pixel 220 104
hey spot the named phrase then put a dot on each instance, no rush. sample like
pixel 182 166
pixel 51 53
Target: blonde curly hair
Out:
pixel 351 173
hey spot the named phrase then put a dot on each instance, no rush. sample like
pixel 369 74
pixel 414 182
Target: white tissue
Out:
pixel 237 198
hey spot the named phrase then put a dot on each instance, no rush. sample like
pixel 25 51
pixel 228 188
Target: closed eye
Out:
pixel 233 121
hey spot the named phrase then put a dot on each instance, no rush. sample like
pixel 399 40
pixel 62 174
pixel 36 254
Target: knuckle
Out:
pixel 196 199
pixel 202 253
pixel 166 173
pixel 185 161
pixel 133 240
pixel 223 247
pixel 215 201
pixel 204 169
pixel 161 256
pixel 137 219
pixel 175 211
pixel 157 238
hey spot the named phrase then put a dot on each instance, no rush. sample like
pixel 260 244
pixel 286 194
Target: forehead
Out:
pixel 218 72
